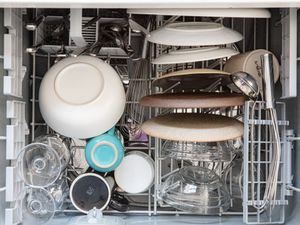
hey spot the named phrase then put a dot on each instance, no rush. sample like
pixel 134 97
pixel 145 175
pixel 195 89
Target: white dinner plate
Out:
pixel 194 55
pixel 135 174
pixel 194 34
pixel 81 97
pixel 222 12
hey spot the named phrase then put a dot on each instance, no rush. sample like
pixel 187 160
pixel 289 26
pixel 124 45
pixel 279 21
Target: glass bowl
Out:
pixel 197 151
pixel 197 190
pixel 38 165
pixel 58 145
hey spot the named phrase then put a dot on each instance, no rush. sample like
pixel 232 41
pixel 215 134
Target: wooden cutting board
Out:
pixel 193 100
pixel 192 79
pixel 193 127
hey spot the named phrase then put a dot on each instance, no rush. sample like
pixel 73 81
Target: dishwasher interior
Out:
pixel 37 39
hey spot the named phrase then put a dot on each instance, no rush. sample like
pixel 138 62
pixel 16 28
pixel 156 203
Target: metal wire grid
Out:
pixel 159 70
pixel 263 153
pixel 146 206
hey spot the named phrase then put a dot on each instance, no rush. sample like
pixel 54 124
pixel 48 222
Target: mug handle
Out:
pixel 111 131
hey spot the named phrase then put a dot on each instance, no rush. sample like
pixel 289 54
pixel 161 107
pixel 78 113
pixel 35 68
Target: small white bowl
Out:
pixel 135 174
pixel 81 97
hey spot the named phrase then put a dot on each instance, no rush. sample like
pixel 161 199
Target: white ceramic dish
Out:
pixel 136 172
pixel 194 55
pixel 81 97
pixel 194 34
pixel 209 12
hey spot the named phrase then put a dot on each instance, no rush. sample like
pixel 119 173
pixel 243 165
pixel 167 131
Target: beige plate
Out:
pixel 193 127
pixel 193 100
pixel 192 79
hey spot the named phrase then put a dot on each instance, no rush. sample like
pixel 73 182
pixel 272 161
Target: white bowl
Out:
pixel 135 174
pixel 194 34
pixel 81 97
pixel 194 55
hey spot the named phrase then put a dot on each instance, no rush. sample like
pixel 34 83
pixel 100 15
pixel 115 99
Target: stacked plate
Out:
pixel 210 36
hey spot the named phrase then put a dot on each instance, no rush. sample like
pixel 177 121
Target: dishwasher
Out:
pixel 128 112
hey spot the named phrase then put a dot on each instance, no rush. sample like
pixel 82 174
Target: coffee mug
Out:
pixel 90 191
pixel 104 153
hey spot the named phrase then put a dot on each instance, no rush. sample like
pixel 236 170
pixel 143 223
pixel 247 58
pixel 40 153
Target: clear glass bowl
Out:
pixel 39 165
pixel 38 206
pixel 197 151
pixel 197 190
pixel 58 145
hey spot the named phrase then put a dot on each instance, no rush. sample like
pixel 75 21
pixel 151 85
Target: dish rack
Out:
pixel 261 125
pixel 153 148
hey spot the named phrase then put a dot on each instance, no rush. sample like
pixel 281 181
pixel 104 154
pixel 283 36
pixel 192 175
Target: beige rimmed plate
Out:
pixel 192 79
pixel 193 127
pixel 193 100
